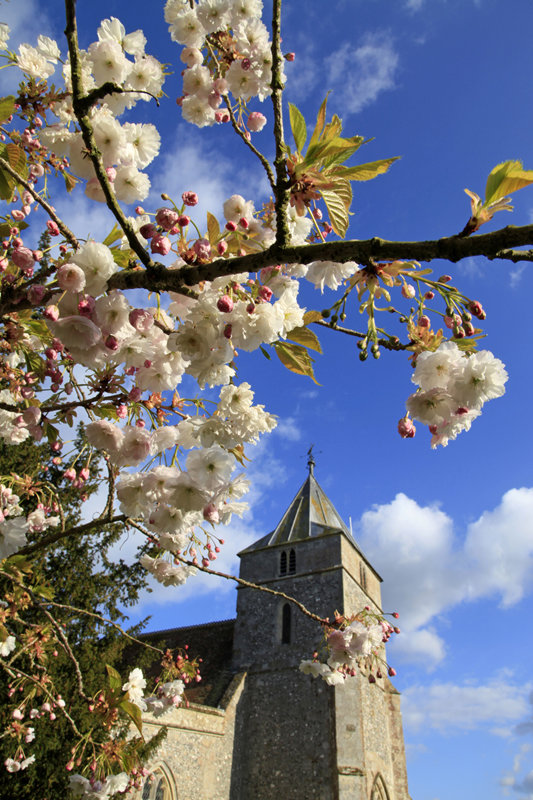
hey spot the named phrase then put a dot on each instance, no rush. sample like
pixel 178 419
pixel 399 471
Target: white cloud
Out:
pixel 449 708
pixel 499 546
pixel 428 570
pixel 27 19
pixel 515 276
pixel 358 75
pixel 288 429
pixel 190 164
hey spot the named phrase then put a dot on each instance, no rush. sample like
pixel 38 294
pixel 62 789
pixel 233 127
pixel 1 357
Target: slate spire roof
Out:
pixel 310 514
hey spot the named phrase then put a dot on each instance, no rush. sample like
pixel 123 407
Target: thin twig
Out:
pixel 67 233
pixel 263 159
pixel 79 530
pixel 256 586
pixel 19 672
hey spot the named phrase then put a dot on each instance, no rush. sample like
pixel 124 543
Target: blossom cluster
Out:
pixel 453 388
pixel 126 149
pixel 168 695
pixel 238 57
pixel 14 525
pixel 350 645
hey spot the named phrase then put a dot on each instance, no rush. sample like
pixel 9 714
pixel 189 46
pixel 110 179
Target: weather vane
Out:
pixel 310 459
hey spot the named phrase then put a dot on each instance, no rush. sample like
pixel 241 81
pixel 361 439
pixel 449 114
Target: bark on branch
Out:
pixel 499 244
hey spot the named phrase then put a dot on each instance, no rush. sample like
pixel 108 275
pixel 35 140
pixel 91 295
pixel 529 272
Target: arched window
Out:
pixel 157 786
pixel 379 790
pixel 286 624
pixel 292 562
pixel 283 563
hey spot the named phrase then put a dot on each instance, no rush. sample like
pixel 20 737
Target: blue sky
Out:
pixel 446 84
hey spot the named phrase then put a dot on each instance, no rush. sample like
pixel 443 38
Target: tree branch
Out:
pixel 67 233
pixel 452 248
pixel 81 104
pixel 282 191
pixel 79 530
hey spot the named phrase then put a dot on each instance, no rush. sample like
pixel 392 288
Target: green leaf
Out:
pixel 298 127
pixel 70 181
pixel 338 202
pixel 341 149
pixel 312 316
pixel 332 129
pixel 305 337
pixel 6 188
pixel 320 122
pixel 5 227
pixel 45 591
pixel 17 158
pixel 265 352
pixel 122 257
pixel 295 358
pixel 114 679
pixel 7 106
pixel 365 172
pixel 213 228
pixel 114 234
pixel 506 178
pixel 133 712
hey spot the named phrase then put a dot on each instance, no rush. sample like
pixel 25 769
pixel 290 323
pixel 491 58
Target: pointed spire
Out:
pixel 310 460
pixel 310 514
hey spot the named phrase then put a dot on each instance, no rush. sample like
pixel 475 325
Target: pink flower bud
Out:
pixel 392 672
pixel 225 304
pixel 183 220
pixel 406 429
pixel 22 257
pixel 289 56
pixel 51 313
pixel 265 293
pixel 190 198
pixel 36 294
pixel 166 217
pixel 148 230
pixel 18 215
pixel 122 411
pixel 222 116
pixel 444 279
pixel 211 513
pixel 408 291
pixel 227 331
pixel 53 228
pixel 395 615
pixel 221 248
pixel 256 121
pixel 424 321
pixel 111 174
pixel 231 226
pixel 86 306
pixel 70 475
pixel 84 474
pixel 141 319
pixel 202 248
pixel 135 394
pixel 160 245
pixel 112 343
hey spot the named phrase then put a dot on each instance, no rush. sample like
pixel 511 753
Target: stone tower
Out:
pixel 295 736
pixel 255 727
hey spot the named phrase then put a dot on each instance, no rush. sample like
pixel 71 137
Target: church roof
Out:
pixel 310 514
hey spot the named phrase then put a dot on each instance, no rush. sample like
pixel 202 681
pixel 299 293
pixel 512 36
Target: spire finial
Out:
pixel 310 460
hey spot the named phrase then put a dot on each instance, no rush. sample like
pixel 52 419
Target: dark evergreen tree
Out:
pixel 83 576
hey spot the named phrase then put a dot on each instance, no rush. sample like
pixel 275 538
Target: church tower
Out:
pixel 295 736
